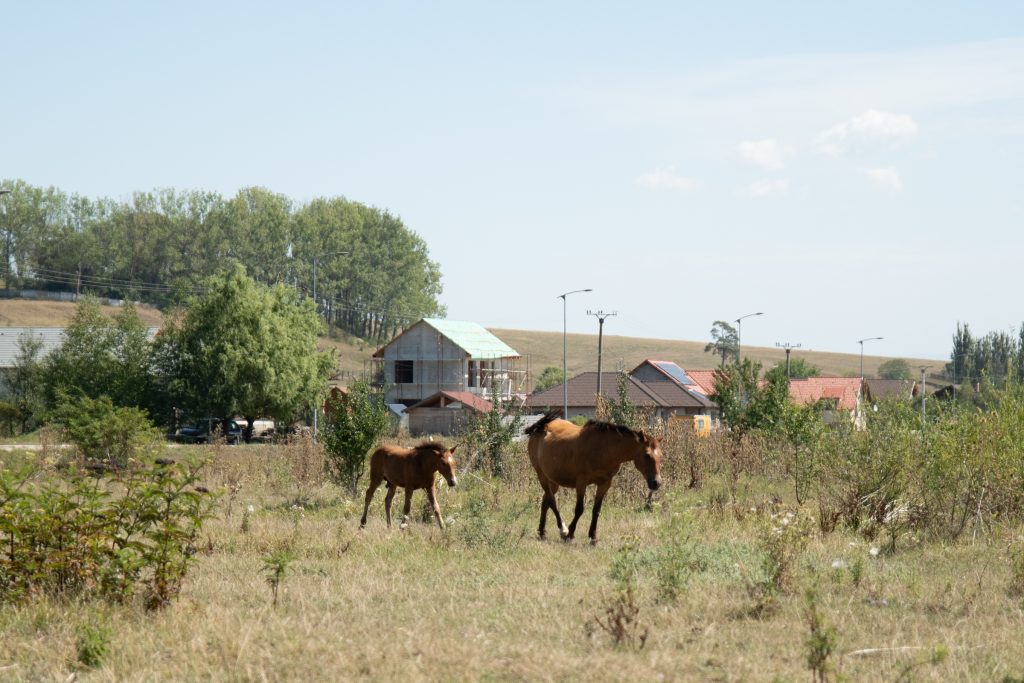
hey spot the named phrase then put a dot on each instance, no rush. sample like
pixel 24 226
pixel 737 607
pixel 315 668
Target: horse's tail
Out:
pixel 541 425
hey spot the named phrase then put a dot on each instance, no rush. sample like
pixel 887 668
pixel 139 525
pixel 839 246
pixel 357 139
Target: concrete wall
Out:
pixel 438 365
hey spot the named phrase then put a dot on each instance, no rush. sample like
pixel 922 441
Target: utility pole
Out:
pixel 601 317
pixel 787 347
pixel 924 393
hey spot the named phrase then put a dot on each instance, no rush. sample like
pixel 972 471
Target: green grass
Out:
pixel 486 601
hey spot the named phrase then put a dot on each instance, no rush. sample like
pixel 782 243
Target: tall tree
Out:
pixel 243 348
pixel 725 341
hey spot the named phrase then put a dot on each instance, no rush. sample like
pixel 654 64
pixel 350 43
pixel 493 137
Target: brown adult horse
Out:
pixel 564 454
pixel 411 468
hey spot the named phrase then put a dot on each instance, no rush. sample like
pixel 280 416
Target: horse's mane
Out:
pixel 621 430
pixel 540 426
pixel 435 446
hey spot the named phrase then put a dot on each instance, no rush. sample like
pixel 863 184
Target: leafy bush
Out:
pixel 76 535
pixel 104 433
pixel 354 424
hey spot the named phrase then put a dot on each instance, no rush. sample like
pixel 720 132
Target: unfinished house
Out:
pixel 435 355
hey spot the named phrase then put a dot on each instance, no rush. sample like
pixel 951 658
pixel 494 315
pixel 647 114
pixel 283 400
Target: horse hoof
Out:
pixel 593 541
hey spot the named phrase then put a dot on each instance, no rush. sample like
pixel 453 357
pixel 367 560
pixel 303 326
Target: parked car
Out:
pixel 199 431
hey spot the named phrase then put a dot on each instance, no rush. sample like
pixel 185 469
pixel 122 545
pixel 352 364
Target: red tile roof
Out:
pixel 812 389
pixel 471 401
pixel 705 380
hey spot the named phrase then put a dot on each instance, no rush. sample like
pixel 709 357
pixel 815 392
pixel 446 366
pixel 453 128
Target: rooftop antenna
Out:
pixel 788 348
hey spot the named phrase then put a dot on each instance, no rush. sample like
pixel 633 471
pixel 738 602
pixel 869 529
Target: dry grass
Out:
pixel 32 313
pixel 487 601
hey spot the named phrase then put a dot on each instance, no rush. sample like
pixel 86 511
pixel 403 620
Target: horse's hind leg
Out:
pixel 549 497
pixel 581 494
pixel 406 508
pixel 370 490
pixel 432 497
pixel 387 501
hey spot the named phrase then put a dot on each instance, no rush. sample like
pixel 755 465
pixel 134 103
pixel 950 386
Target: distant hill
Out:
pixel 543 348
pixel 36 313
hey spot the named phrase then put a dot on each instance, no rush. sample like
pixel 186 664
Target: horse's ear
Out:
pixel 452 450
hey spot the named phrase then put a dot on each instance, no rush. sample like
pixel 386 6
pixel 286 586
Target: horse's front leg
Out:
pixel 581 494
pixel 406 508
pixel 370 490
pixel 432 497
pixel 602 489
pixel 387 501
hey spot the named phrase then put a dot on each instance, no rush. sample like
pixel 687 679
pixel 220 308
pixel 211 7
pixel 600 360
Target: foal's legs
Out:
pixel 387 501
pixel 370 490
pixel 581 493
pixel 432 497
pixel 601 490
pixel 406 508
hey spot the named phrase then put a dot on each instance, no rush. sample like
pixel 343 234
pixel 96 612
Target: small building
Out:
pixel 663 398
pixel 435 355
pixel 876 390
pixel 446 413
pixel 837 396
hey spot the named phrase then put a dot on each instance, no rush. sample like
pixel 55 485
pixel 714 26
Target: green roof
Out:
pixel 472 338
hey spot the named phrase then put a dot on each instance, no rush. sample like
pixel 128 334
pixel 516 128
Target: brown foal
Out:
pixel 411 468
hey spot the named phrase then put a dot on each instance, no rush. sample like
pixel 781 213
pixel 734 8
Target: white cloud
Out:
pixel 763 153
pixel 871 125
pixel 885 178
pixel 666 178
pixel 767 188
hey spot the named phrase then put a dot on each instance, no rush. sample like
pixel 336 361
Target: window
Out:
pixel 403 372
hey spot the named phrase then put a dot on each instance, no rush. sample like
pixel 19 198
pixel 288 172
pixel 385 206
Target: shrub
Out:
pixel 104 433
pixel 92 643
pixel 100 536
pixel 354 424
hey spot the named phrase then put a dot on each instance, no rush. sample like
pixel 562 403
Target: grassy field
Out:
pixel 486 601
pixel 543 349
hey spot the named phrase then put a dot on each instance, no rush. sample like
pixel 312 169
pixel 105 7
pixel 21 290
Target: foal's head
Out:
pixel 648 461
pixel 443 459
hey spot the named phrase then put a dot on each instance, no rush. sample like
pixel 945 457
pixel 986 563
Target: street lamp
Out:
pixel 316 408
pixel 739 332
pixel 861 342
pixel 565 371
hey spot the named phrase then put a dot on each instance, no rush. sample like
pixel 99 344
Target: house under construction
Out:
pixel 435 355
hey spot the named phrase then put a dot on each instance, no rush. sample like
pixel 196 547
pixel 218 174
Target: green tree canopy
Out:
pixel 746 403
pixel 246 349
pixel 896 368
pixel 549 377
pixel 798 369
pixel 101 356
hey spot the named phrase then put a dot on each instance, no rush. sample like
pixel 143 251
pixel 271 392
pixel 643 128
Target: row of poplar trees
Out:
pixel 374 275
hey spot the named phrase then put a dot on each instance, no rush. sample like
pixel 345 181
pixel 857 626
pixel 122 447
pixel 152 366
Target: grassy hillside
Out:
pixel 32 313
pixel 545 348
pixel 542 348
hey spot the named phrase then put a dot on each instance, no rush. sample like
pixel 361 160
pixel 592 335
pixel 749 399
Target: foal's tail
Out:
pixel 541 425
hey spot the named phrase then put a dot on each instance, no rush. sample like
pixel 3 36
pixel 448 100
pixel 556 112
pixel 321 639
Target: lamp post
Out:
pixel 316 408
pixel 565 371
pixel 924 392
pixel 739 332
pixel 861 342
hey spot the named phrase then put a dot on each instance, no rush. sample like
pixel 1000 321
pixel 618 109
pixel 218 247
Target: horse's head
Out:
pixel 648 461
pixel 446 464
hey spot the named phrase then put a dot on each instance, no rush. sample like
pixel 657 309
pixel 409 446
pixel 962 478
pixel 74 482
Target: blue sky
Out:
pixel 850 170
